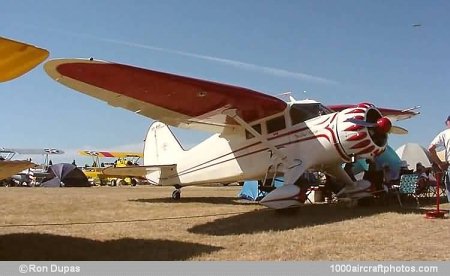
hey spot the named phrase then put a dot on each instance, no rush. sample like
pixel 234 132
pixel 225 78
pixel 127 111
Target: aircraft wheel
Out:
pixel 133 182
pixel 176 195
pixel 113 182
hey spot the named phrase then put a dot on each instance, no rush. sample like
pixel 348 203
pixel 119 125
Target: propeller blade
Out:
pixel 382 125
pixel 398 130
pixel 361 123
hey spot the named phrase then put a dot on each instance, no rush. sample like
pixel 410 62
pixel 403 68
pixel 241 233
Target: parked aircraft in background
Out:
pixel 9 168
pixel 257 136
pixel 17 58
pixel 123 159
pixel 30 173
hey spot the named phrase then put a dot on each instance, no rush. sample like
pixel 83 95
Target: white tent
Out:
pixel 414 153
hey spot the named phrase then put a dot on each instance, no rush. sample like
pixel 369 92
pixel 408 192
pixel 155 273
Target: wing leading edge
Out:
pixel 175 100
pixel 392 114
pixel 115 154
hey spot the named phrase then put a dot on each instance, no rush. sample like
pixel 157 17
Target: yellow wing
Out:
pixel 115 154
pixel 17 58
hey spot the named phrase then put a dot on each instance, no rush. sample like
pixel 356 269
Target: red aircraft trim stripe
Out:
pixel 197 167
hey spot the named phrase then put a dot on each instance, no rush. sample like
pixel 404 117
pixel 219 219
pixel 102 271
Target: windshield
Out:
pixel 302 112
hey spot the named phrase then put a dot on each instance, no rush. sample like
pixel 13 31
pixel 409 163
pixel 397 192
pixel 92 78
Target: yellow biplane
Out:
pixel 123 159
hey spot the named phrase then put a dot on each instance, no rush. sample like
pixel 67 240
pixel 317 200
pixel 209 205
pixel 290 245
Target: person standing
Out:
pixel 442 140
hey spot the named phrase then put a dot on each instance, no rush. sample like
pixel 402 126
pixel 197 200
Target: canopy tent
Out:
pixel 65 175
pixel 388 157
pixel 414 153
pixel 250 189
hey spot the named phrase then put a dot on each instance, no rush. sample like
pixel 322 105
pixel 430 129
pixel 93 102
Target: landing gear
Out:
pixel 176 195
pixel 133 182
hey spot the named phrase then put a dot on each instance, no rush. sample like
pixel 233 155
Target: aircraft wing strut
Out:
pixel 294 168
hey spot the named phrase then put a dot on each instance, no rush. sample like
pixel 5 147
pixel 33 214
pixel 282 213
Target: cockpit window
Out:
pixel 303 112
pixel 275 124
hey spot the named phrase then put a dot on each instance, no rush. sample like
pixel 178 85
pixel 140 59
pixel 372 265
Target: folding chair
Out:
pixel 408 186
pixel 442 187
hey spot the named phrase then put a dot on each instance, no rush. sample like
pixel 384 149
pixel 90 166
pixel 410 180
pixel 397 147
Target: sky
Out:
pixel 335 52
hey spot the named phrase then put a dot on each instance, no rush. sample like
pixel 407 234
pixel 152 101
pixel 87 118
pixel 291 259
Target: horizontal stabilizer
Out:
pixel 141 171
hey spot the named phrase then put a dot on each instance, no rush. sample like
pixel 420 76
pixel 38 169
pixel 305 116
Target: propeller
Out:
pixel 398 130
pixel 382 126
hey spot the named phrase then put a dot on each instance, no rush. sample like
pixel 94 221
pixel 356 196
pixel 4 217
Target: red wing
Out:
pixel 393 114
pixel 173 99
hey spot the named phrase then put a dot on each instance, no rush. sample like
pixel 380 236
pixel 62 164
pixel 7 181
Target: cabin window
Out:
pixel 257 127
pixel 303 112
pixel 276 124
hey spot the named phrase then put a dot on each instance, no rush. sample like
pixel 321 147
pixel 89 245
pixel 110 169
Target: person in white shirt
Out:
pixel 442 140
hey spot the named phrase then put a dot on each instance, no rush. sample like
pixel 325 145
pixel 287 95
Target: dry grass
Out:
pixel 209 223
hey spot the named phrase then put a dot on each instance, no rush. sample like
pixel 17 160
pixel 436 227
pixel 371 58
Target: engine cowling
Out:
pixel 362 131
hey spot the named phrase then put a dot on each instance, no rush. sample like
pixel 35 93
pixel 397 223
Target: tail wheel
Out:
pixel 176 195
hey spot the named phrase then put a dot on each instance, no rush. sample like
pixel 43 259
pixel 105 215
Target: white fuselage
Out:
pixel 233 158
pixel 317 142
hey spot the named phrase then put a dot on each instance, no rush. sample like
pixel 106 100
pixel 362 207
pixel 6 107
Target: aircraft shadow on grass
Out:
pixel 209 200
pixel 309 215
pixel 47 247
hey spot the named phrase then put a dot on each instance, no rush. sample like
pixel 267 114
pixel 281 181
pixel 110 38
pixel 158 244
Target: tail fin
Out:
pixel 160 146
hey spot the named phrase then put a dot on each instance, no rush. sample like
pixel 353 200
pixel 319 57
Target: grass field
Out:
pixel 208 223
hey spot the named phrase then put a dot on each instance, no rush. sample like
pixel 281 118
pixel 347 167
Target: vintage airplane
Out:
pixel 95 172
pixel 28 173
pixel 17 58
pixel 10 168
pixel 257 136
